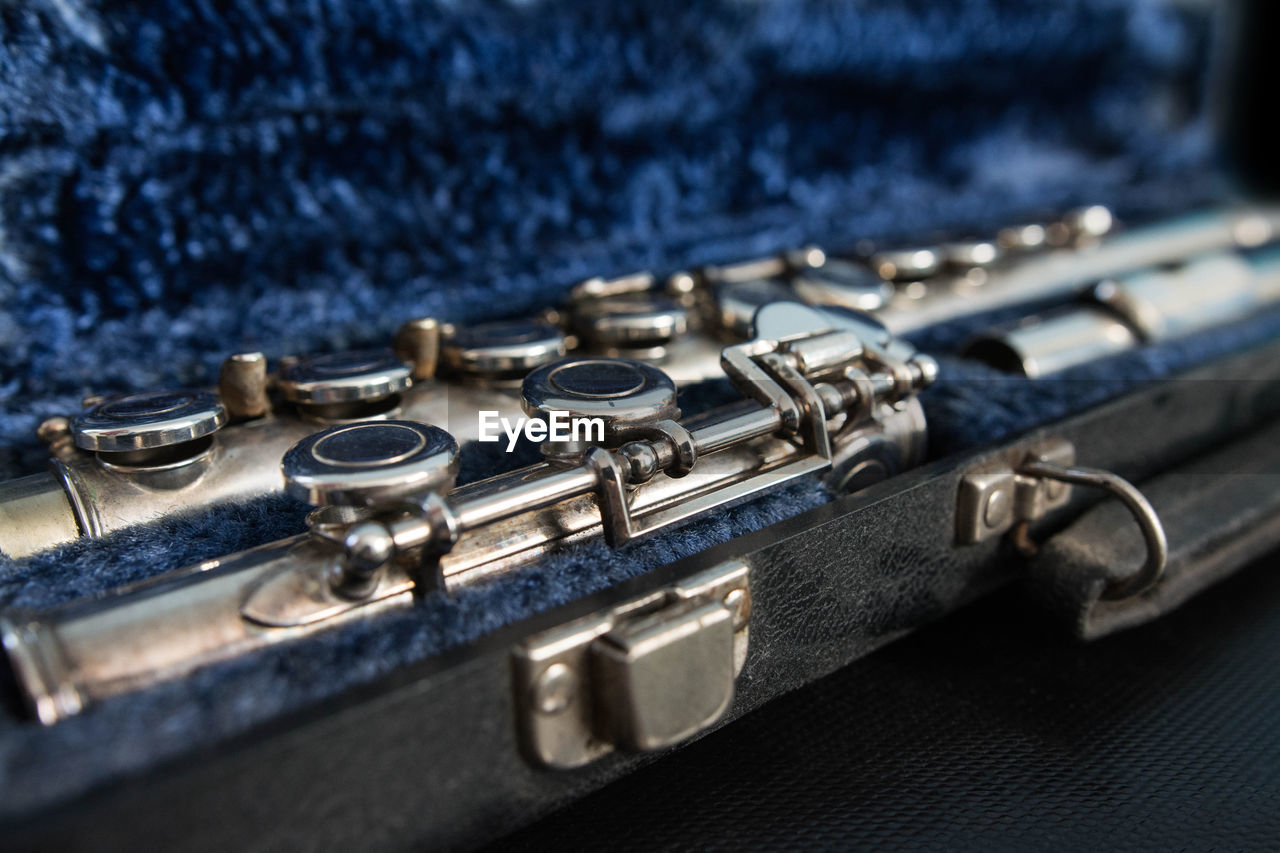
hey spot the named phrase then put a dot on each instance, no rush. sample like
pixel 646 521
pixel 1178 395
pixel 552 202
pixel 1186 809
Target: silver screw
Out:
pixel 998 509
pixel 555 689
pixel 368 548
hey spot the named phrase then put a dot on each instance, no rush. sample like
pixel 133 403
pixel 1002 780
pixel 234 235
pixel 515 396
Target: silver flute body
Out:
pixel 1124 311
pixel 131 460
pixel 83 494
pixel 1063 272
pixel 822 394
pixel 88 493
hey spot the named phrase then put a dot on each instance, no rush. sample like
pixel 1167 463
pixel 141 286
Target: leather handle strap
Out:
pixel 1220 512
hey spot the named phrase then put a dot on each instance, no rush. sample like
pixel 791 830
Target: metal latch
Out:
pixel 639 676
pixel 994 499
pixel 1000 497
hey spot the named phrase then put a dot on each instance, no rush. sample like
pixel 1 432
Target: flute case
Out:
pixel 184 181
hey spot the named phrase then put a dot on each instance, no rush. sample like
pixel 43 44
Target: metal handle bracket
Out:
pixel 1007 498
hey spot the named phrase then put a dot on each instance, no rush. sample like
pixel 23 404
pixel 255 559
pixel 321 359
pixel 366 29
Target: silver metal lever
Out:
pixel 1148 520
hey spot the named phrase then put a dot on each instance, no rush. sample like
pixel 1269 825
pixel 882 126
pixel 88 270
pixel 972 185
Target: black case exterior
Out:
pixel 431 756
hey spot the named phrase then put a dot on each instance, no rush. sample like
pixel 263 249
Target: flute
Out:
pixel 821 392
pixel 133 459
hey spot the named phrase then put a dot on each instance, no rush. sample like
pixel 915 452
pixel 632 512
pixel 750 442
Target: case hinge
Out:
pixel 640 676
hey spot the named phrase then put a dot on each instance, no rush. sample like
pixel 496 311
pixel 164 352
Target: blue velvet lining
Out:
pixel 186 179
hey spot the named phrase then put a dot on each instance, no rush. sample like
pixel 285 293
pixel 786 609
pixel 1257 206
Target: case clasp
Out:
pixel 640 676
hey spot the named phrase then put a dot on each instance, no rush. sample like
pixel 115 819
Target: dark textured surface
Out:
pixel 987 731
pixel 184 180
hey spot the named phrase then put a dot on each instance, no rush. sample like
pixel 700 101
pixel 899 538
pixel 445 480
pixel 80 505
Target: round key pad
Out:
pixel 345 377
pixel 620 392
pixel 150 420
pixel 369 462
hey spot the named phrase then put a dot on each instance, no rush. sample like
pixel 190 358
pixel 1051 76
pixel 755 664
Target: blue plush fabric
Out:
pixel 183 179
